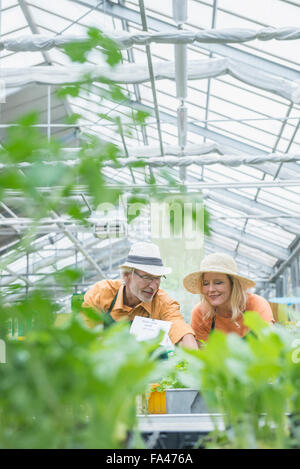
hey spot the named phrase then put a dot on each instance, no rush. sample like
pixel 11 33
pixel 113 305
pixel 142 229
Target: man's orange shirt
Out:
pixel 163 307
pixel 202 325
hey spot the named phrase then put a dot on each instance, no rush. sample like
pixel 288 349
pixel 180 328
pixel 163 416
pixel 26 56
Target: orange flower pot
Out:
pixel 157 401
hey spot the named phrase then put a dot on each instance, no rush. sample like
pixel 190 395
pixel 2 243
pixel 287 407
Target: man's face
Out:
pixel 142 285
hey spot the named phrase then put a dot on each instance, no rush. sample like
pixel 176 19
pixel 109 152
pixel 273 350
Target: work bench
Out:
pixel 177 431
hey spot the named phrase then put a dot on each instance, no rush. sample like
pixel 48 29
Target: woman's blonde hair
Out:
pixel 238 298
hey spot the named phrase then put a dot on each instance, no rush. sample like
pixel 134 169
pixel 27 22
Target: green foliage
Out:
pixel 78 51
pixel 66 387
pixel 255 323
pixel 172 380
pixel 72 118
pixel 36 307
pixel 139 117
pixel 70 90
pixel 41 176
pixel 67 277
pixel 254 383
pixel 140 201
pixel 24 143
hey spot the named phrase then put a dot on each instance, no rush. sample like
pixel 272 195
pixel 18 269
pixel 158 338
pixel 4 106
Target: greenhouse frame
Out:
pixel 202 104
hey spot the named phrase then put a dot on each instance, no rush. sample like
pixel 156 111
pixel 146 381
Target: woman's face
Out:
pixel 217 289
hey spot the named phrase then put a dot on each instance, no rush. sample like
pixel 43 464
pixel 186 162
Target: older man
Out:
pixel 138 294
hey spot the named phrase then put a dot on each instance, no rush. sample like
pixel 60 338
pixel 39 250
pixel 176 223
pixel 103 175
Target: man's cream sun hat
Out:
pixel 218 262
pixel 146 257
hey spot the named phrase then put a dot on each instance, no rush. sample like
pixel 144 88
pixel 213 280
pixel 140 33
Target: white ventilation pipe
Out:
pixel 182 126
pixel 180 17
pixel 180 11
pixel 181 70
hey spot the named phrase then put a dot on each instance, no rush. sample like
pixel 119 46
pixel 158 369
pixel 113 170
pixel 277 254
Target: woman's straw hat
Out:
pixel 217 262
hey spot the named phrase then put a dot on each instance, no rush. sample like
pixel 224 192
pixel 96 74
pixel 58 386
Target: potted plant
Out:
pixel 171 396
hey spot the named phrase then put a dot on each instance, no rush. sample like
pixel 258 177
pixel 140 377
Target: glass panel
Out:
pixel 12 19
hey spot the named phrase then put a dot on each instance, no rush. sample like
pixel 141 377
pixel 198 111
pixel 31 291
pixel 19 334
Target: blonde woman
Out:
pixel 224 297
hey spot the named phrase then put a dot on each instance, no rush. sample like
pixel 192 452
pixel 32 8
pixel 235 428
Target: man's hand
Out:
pixel 189 341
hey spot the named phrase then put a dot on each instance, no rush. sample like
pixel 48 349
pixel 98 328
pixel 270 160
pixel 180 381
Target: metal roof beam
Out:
pixel 289 170
pixel 248 206
pixel 78 245
pixel 248 262
pixel 285 264
pixel 248 239
pixel 101 256
pixel 33 27
pixel 269 168
pixel 122 12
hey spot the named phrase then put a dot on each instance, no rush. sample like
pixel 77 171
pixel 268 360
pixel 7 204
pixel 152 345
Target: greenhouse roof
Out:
pixel 225 122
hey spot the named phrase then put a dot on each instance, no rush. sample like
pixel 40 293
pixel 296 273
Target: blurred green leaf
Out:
pixel 249 382
pixel 70 90
pixel 254 321
pixel 64 385
pixel 41 176
pixel 117 94
pixel 135 204
pixel 139 117
pixel 72 119
pixel 78 51
pixel 67 277
pixel 57 386
pixel 77 212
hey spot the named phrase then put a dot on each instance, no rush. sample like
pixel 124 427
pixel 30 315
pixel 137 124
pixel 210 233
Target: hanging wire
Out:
pixel 81 17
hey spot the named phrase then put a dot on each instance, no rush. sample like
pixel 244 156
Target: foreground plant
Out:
pixel 254 383
pixel 65 387
pixel 68 387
